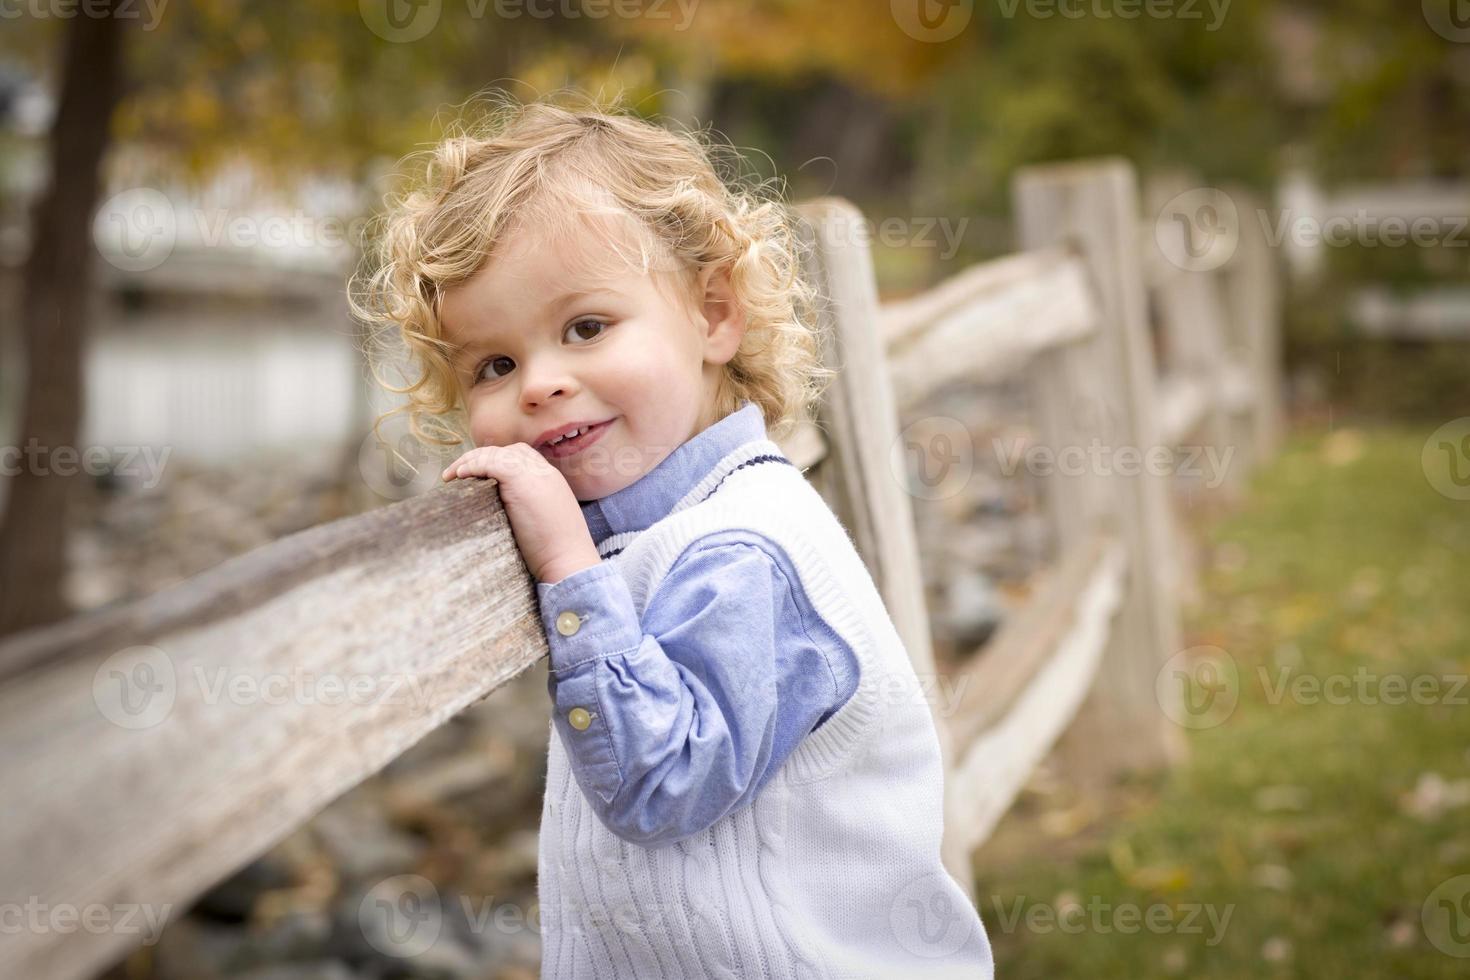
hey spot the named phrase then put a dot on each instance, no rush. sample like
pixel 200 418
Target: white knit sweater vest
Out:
pixel 833 871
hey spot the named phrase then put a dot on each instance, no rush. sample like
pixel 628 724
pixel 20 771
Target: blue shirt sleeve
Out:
pixel 685 716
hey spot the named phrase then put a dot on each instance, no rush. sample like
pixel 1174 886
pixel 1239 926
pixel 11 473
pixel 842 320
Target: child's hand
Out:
pixel 543 511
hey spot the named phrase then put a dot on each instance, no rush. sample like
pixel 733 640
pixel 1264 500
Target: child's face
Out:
pixel 546 342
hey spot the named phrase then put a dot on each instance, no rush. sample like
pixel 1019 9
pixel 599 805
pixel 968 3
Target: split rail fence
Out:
pixel 125 784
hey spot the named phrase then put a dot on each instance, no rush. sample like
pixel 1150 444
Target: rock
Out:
pixel 400 927
pixel 973 610
pixel 233 899
pixel 190 949
pixel 356 834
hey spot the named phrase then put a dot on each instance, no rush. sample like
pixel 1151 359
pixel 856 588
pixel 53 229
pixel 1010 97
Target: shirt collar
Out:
pixel 648 500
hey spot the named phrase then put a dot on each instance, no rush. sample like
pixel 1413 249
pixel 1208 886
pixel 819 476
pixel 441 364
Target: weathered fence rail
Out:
pixel 133 774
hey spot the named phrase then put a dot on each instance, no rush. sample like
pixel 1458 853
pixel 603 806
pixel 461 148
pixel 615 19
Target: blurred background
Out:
pixel 183 190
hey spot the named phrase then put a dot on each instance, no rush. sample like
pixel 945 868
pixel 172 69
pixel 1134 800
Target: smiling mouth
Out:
pixel 569 447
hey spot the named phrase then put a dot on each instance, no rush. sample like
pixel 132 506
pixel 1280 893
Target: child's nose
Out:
pixel 541 383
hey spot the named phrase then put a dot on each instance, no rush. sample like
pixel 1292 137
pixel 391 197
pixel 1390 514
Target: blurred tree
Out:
pixel 1395 87
pixel 53 319
pixel 297 89
pixel 1162 91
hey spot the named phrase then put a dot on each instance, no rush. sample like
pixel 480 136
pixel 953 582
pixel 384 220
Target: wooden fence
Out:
pixel 133 775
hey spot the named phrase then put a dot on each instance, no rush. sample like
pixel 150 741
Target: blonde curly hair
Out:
pixel 544 165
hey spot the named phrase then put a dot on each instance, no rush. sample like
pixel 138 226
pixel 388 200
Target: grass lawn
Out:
pixel 1330 807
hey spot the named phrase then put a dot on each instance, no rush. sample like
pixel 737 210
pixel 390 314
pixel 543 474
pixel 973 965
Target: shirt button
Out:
pixel 568 623
pixel 579 719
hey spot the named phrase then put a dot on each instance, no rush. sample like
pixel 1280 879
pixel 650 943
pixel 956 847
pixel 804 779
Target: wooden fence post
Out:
pixel 1100 393
pixel 861 422
pixel 1193 319
pixel 1253 300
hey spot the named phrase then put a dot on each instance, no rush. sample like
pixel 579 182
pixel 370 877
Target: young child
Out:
pixel 743 779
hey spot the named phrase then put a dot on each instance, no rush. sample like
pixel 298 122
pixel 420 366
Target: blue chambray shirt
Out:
pixel 697 706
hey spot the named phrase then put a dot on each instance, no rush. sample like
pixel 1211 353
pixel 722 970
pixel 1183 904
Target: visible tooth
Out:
pixel 569 435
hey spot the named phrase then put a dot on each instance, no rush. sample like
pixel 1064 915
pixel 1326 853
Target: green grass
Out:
pixel 1292 814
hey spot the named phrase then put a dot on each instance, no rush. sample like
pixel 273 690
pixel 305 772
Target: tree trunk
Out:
pixel 56 284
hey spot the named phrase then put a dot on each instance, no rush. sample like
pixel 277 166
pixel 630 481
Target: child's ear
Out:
pixel 723 316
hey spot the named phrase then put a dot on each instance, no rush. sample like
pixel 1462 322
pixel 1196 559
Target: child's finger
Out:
pixel 484 461
pixel 448 470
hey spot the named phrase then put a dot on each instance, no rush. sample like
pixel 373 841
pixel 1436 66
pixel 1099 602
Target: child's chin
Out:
pixel 596 485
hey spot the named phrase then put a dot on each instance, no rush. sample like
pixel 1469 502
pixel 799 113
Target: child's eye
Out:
pixel 500 365
pixel 587 323
pixel 490 366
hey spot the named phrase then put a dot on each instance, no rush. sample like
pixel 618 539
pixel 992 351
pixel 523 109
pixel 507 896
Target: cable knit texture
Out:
pixel 833 870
